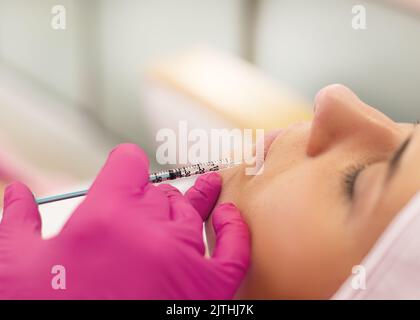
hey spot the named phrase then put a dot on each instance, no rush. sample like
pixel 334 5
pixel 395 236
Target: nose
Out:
pixel 341 116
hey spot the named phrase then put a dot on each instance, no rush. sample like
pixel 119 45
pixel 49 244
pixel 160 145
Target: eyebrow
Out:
pixel 396 158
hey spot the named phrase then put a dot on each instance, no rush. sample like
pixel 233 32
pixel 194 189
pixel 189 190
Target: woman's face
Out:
pixel 328 190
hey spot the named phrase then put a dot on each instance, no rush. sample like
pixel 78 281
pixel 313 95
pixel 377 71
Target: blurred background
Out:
pixel 123 69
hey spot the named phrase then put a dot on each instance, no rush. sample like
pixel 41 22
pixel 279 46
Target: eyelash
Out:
pixel 350 177
pixel 353 172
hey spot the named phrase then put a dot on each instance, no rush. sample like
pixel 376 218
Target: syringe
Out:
pixel 157 177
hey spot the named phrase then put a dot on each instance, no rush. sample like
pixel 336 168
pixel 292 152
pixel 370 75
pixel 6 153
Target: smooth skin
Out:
pixel 307 230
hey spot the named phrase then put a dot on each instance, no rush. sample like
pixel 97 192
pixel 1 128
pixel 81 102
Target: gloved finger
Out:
pixel 180 208
pixel 152 204
pixel 20 208
pixel 125 172
pixel 204 194
pixel 232 249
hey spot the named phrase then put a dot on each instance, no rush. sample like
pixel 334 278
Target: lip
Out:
pixel 269 138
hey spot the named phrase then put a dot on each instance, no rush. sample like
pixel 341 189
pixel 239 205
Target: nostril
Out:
pixel 314 108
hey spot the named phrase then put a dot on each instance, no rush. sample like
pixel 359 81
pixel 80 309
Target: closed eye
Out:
pixel 351 174
pixel 350 177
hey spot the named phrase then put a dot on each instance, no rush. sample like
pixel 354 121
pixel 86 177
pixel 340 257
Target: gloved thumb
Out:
pixel 126 171
pixel 231 253
pixel 20 209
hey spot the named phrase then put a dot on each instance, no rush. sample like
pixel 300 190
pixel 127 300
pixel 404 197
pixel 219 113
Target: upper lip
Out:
pixel 268 140
pixel 271 136
pixel 265 143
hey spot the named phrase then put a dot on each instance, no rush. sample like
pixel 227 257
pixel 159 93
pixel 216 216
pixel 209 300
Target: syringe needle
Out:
pixel 157 177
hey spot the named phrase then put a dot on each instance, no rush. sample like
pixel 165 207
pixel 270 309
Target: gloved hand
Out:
pixel 128 239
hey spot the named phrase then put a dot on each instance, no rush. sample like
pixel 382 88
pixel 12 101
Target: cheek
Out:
pixel 296 243
pixel 289 216
pixel 290 196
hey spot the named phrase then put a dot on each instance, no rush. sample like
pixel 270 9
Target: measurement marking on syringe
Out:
pixel 157 177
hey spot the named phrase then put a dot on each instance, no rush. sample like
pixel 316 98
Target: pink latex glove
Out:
pixel 128 239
